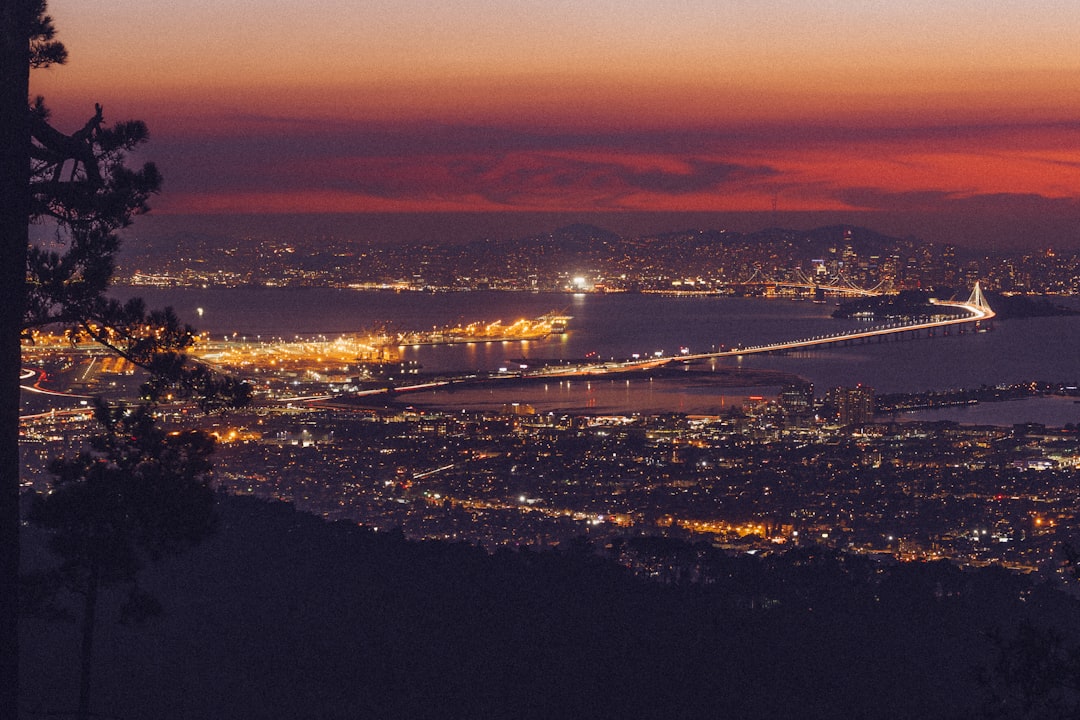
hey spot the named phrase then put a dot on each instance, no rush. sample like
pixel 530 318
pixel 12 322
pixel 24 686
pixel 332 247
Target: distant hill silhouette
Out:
pixel 582 231
pixel 817 240
pixel 686 250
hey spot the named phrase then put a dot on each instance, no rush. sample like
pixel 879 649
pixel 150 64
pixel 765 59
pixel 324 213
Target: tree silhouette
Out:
pixel 138 494
pixel 16 18
pixel 81 185
pixel 1036 674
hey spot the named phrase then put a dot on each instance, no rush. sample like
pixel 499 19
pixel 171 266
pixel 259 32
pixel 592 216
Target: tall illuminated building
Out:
pixel 854 405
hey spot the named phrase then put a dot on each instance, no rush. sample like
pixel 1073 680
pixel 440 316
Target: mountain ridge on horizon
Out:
pixel 395 229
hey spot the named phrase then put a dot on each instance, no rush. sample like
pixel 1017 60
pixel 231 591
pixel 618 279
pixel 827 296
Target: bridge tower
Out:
pixel 978 299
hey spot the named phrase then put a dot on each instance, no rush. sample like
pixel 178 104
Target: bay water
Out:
pixel 621 325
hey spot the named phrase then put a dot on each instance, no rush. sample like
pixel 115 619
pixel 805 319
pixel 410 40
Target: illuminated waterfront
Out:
pixel 505 454
pixel 275 338
pixel 621 325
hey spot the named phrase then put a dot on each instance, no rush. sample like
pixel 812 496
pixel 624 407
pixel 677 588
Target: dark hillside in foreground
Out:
pixel 284 616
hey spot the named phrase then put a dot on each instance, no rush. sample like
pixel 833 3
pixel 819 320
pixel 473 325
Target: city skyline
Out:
pixel 948 122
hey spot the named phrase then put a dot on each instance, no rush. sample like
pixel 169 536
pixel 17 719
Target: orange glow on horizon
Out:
pixel 658 98
pixel 409 107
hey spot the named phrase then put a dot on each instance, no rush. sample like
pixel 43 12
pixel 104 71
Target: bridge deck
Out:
pixel 976 313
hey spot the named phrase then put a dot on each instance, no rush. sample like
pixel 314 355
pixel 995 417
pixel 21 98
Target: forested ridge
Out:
pixel 282 615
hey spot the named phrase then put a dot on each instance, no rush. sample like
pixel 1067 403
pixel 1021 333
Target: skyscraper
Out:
pixel 854 405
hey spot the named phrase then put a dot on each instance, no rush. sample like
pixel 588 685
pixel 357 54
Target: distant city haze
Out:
pixel 952 122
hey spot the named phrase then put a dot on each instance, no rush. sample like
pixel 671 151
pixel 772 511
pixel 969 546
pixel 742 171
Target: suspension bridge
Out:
pixel 973 312
pixel 837 285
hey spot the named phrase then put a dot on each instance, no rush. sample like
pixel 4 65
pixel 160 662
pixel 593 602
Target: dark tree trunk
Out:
pixel 14 216
pixel 86 658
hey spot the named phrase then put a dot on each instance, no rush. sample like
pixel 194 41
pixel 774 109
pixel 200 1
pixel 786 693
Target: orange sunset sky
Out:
pixel 958 121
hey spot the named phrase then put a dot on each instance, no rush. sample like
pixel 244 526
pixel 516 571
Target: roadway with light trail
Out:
pixel 976 313
pixel 975 308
